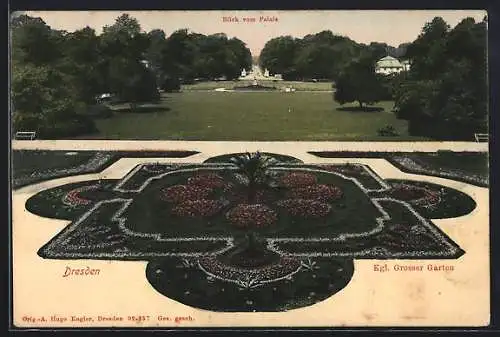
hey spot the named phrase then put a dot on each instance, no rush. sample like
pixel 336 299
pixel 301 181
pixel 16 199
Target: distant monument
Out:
pixel 266 73
pixel 243 73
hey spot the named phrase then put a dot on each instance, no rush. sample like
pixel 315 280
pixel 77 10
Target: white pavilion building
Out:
pixel 390 65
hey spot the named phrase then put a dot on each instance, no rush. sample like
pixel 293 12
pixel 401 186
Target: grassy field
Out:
pixel 301 86
pixel 247 116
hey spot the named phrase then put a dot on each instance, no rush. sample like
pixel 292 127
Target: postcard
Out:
pixel 249 169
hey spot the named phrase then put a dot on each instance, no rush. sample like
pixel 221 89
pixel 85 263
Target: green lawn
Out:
pixel 247 116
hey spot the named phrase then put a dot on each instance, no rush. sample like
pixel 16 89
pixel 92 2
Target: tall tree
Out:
pixel 359 83
pixel 278 55
pixel 33 41
pixel 445 94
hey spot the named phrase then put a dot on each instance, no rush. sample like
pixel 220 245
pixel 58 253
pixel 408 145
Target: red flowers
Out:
pixel 419 196
pixel 316 192
pixel 180 193
pixel 305 208
pixel 297 179
pixel 211 180
pixel 73 199
pixel 251 215
pixel 197 208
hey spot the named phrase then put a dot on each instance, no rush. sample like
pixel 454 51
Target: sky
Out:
pixel 363 26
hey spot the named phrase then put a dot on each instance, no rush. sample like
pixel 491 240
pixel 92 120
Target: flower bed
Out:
pixel 297 179
pixel 73 199
pixel 251 215
pixel 197 208
pixel 305 208
pixel 181 193
pixel 416 195
pixel 210 180
pixel 317 192
pixel 285 266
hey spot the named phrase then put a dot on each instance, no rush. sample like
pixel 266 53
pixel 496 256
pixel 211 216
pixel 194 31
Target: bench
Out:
pixel 481 137
pixel 25 135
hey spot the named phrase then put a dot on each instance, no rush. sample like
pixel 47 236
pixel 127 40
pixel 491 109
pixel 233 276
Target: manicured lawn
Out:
pixel 247 116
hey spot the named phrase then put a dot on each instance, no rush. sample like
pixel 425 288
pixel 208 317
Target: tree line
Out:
pixel 57 75
pixel 320 56
pixel 445 93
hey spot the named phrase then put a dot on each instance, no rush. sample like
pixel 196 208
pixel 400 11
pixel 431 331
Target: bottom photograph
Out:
pixel 251 236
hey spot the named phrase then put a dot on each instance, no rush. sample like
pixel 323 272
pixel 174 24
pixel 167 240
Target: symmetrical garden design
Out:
pixel 250 232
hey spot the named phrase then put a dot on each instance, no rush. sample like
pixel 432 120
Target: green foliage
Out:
pixel 388 131
pixel 132 81
pixel 170 84
pixel 445 93
pixel 254 166
pixel 43 103
pixel 359 83
pixel 319 56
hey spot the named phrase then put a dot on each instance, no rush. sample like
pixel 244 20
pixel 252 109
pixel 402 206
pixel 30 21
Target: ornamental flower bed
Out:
pixel 415 195
pixel 197 208
pixel 73 199
pixel 305 207
pixel 281 269
pixel 298 179
pixel 251 215
pixel 316 192
pixel 181 193
pixel 210 180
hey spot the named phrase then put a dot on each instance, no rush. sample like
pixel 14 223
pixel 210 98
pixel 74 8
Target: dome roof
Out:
pixel 389 62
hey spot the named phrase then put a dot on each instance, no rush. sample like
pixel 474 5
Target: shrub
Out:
pixel 170 84
pixel 387 131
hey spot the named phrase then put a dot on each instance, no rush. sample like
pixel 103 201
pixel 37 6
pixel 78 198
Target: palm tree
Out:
pixel 255 168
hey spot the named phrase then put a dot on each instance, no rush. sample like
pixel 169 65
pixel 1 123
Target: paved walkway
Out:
pixel 225 147
pixel 455 298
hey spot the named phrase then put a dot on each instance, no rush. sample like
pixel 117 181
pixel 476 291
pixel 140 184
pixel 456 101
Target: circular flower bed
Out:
pixel 297 179
pixel 251 215
pixel 305 207
pixel 316 192
pixel 211 180
pixel 180 193
pixel 197 208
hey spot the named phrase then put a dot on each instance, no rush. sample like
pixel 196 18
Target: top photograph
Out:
pixel 353 75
